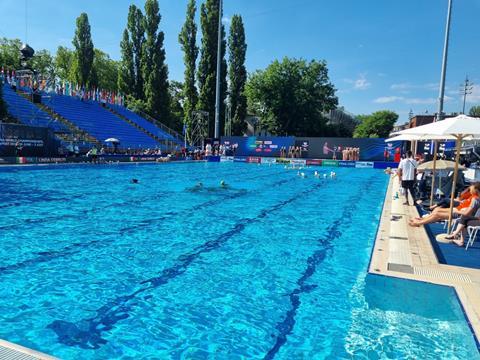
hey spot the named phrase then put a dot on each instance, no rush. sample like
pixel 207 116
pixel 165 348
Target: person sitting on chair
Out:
pixel 467 208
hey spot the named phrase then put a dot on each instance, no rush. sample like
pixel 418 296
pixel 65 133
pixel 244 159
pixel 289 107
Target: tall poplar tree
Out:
pixel 188 41
pixel 237 75
pixel 155 70
pixel 207 70
pixel 126 72
pixel 131 73
pixel 84 51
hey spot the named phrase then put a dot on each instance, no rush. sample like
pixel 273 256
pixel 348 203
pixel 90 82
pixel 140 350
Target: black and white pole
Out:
pixel 219 69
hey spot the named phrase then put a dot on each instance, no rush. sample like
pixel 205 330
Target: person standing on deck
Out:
pixel 407 171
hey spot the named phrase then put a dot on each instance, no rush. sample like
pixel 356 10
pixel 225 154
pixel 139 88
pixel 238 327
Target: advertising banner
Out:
pixel 266 160
pixel 314 162
pixel 257 146
pixel 226 159
pixel 239 159
pixel 364 164
pixel 330 163
pixel 299 162
pixel 283 161
pixel 346 163
pixel 254 159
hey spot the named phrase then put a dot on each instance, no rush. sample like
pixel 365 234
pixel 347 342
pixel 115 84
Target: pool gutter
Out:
pixel 10 351
pixel 405 252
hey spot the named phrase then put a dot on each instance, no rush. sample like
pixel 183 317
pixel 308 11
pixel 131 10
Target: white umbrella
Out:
pixel 113 140
pixel 461 127
pixel 440 165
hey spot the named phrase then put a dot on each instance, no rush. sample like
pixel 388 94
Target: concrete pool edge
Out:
pixel 419 259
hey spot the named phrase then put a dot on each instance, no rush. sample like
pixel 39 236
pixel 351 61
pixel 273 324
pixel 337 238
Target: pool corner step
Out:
pixel 10 351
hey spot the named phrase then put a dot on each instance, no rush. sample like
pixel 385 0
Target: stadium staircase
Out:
pixel 100 123
pixel 74 133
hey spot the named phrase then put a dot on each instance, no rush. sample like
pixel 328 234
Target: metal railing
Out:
pixel 163 127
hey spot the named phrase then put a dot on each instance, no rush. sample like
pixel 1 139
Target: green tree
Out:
pixel 188 41
pixel 9 53
pixel 377 125
pixel 137 32
pixel 237 75
pixel 84 51
pixel 44 64
pixel 291 97
pixel 104 72
pixel 474 111
pixel 64 64
pixel 207 69
pixel 126 71
pixel 155 71
pixel 177 99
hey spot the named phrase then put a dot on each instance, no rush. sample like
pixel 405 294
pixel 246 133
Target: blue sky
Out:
pixel 382 54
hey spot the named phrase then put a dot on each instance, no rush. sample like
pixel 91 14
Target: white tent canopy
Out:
pixel 413 137
pixel 460 126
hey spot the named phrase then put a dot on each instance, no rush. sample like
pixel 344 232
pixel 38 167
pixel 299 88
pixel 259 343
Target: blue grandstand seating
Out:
pixel 29 114
pixel 143 123
pixel 99 122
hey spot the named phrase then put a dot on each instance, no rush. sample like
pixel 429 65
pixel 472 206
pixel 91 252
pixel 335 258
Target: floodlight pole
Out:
pixel 441 96
pixel 219 69
pixel 444 63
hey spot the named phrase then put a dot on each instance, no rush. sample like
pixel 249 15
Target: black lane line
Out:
pixel 333 232
pixel 87 333
pixel 75 248
pixel 133 202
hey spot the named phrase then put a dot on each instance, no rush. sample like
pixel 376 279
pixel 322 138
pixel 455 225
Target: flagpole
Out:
pixel 441 96
pixel 219 69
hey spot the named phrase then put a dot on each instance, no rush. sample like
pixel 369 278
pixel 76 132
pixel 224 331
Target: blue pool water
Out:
pixel 274 266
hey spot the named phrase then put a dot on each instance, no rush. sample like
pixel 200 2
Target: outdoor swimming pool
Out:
pixel 274 266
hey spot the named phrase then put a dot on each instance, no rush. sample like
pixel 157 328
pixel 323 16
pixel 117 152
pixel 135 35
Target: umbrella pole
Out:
pixel 454 185
pixel 435 149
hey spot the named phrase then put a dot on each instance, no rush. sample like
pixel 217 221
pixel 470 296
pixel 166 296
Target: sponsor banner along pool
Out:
pixel 364 164
pixel 227 159
pixel 254 159
pixel 330 163
pixel 268 160
pixel 346 163
pixel 317 162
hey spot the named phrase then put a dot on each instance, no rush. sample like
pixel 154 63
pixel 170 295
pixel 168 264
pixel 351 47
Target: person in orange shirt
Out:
pixel 467 207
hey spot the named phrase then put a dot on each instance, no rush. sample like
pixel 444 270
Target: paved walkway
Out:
pixel 406 252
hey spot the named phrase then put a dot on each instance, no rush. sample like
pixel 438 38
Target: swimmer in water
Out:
pixel 134 181
pixel 198 186
pixel 333 175
pixel 324 176
pixel 316 174
pixel 223 184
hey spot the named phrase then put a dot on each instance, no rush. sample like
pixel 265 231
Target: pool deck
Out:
pixel 406 252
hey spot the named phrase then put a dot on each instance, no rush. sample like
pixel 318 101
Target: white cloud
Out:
pixel 409 100
pixel 361 83
pixel 474 97
pixel 403 87
pixel 421 101
pixel 387 99
pixel 226 20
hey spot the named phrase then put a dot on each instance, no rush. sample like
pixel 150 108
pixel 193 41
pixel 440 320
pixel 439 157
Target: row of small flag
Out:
pixel 65 88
